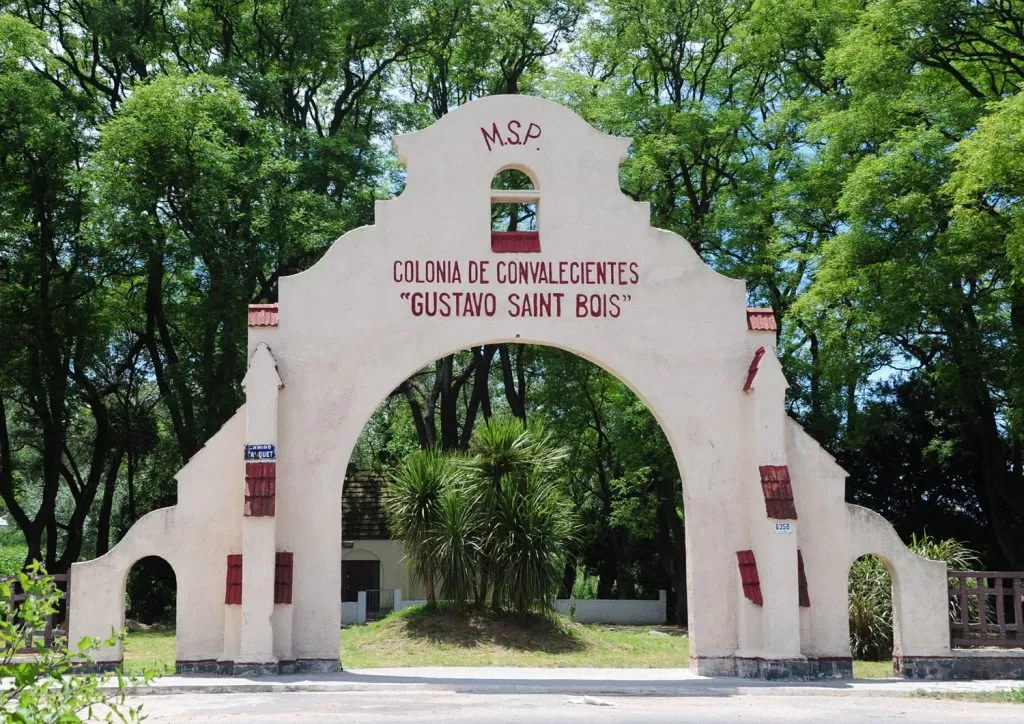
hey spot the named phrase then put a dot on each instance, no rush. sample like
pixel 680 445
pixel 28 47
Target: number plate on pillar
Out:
pixel 783 528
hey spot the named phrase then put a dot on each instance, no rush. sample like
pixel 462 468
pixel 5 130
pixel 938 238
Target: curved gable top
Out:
pixel 444 212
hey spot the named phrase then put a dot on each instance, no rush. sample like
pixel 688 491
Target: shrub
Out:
pixel 44 685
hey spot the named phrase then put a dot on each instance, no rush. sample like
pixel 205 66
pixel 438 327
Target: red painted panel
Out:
pixel 748 575
pixel 761 319
pixel 283 577
pixel 515 242
pixel 805 598
pixel 233 589
pixel 260 488
pixel 754 366
pixel 778 492
pixel 263 315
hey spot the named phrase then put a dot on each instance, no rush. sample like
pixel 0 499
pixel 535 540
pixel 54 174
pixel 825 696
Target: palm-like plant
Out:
pixel 527 525
pixel 498 516
pixel 508 447
pixel 414 502
pixel 457 545
pixel 531 529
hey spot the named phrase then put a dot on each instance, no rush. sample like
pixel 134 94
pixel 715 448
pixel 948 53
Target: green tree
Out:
pixel 913 284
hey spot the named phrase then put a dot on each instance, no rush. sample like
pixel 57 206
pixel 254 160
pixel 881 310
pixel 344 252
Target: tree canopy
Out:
pixel 859 162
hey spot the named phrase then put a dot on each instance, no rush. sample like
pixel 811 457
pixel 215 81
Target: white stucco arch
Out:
pixel 652 313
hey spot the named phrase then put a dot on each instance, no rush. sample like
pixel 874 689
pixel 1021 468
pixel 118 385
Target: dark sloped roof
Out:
pixel 362 513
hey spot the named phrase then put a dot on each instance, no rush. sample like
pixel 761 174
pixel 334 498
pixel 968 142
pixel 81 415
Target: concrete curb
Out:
pixel 692 688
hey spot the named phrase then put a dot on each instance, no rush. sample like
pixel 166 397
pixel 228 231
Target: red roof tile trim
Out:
pixel 778 492
pixel 263 315
pixel 283 577
pixel 754 366
pixel 260 489
pixel 761 319
pixel 748 575
pixel 515 242
pixel 233 588
pixel 805 599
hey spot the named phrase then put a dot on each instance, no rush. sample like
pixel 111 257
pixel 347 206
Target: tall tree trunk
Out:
pixel 169 378
pixel 107 503
pixel 516 396
pixel 671 542
pixel 1001 495
pixel 568 579
pixel 480 396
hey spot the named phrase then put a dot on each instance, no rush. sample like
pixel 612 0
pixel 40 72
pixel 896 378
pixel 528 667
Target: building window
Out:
pixel 283 577
pixel 233 591
pixel 514 205
pixel 748 575
pixel 778 492
pixel 260 487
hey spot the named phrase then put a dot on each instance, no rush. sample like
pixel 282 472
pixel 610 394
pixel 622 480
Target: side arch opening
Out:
pixel 872 634
pixel 150 616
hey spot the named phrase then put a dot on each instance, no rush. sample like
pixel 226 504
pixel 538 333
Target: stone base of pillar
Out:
pixel 962 665
pixel 315 666
pixel 795 669
pixel 835 667
pixel 208 666
pixel 713 665
pixel 256 668
pixel 273 668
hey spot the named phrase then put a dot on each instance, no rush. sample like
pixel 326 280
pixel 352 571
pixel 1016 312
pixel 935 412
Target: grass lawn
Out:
pixel 414 637
pixel 873 670
pixel 149 650
pixel 1010 696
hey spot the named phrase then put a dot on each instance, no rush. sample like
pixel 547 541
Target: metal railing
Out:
pixel 986 609
pixel 56 627
pixel 379 603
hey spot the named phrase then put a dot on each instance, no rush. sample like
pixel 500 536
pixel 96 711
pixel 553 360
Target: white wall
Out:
pixel 194 537
pixel 599 610
pixel 350 612
pixel 602 610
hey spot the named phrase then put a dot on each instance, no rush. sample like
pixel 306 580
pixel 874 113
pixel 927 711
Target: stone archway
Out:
pixel 595 278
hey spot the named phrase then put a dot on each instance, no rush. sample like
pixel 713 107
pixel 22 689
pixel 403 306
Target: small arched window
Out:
pixel 514 203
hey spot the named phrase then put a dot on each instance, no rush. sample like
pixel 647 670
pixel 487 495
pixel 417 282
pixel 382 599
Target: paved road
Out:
pixel 443 706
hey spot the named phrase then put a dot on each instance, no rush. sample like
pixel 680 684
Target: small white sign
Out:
pixel 783 528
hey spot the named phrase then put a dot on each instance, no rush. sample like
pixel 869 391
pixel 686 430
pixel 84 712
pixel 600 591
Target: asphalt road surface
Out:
pixel 442 706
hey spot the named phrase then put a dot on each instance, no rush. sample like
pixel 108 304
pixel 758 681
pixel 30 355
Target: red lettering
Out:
pixel 530 132
pixel 515 131
pixel 495 135
pixel 598 305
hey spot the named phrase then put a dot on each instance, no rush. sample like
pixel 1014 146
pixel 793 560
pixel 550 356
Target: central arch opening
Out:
pixel 615 470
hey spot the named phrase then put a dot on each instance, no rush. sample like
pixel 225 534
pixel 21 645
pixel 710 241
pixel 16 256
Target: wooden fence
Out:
pixel 986 609
pixel 56 628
